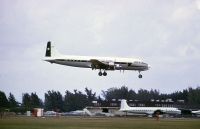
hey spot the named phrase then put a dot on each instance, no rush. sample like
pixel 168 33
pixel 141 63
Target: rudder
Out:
pixel 124 105
pixel 48 49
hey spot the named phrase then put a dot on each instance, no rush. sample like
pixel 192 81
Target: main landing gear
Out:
pixel 104 73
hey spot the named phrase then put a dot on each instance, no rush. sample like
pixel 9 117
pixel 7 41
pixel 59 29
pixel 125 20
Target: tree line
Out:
pixel 76 100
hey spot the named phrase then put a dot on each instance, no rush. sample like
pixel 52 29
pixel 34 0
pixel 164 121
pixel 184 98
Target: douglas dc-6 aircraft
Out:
pixel 101 63
pixel 196 112
pixel 148 110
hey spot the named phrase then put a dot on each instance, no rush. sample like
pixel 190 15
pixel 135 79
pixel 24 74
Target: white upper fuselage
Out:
pixel 152 110
pixel 85 62
pixel 147 110
pixel 196 112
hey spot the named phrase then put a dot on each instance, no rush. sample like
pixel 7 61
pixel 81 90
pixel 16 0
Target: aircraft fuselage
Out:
pixel 101 63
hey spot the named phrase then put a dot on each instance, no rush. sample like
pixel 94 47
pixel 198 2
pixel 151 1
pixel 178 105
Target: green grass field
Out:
pixel 97 123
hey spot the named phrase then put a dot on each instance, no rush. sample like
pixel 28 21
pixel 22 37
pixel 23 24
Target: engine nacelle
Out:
pixel 111 65
pixel 118 67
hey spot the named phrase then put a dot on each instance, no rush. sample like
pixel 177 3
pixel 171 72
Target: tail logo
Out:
pixel 48 49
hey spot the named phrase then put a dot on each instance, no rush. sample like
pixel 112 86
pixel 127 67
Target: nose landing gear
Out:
pixel 140 75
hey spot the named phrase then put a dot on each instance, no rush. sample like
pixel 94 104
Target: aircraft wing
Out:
pixel 149 112
pixel 99 64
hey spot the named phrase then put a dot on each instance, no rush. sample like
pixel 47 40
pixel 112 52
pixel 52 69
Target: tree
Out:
pixel 12 102
pixel 143 95
pixel 154 94
pixel 3 100
pixel 194 96
pixel 26 101
pixel 119 93
pixel 132 95
pixel 53 101
pixel 3 103
pixel 75 101
pixel 90 96
pixel 31 101
pixel 36 102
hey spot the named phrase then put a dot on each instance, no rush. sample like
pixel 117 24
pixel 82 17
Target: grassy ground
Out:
pixel 97 123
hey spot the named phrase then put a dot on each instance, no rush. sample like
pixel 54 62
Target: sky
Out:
pixel 164 34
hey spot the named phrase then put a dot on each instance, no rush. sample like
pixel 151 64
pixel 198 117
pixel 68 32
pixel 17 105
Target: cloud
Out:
pixel 163 33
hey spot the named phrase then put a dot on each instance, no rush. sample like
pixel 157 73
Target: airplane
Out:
pixel 98 113
pixel 196 112
pixel 148 110
pixel 102 63
pixel 84 112
pixel 50 113
pixel 76 113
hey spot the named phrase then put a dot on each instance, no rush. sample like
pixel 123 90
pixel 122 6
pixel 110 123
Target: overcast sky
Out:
pixel 165 34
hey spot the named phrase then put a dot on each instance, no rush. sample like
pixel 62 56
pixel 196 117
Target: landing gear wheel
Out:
pixel 100 73
pixel 140 75
pixel 104 73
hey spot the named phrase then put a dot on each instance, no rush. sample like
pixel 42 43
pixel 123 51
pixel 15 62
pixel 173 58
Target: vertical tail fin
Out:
pixel 48 49
pixel 124 105
pixel 51 51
